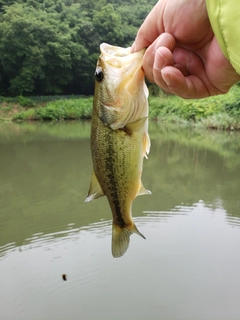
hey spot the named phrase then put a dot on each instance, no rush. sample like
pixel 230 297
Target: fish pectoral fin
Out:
pixel 121 239
pixel 95 190
pixel 143 191
pixel 136 125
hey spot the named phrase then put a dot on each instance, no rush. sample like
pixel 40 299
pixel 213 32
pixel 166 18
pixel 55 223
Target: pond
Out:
pixel 188 268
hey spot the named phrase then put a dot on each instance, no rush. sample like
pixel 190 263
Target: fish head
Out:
pixel 120 87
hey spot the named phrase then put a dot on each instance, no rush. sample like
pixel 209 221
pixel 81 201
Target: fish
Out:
pixel 119 138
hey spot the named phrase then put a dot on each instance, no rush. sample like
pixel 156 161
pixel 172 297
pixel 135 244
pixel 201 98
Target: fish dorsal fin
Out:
pixel 143 191
pixel 95 190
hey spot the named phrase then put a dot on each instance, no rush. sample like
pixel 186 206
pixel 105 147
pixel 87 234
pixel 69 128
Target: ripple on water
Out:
pixel 233 221
pixel 43 240
pixel 83 254
pixel 164 216
pixel 7 248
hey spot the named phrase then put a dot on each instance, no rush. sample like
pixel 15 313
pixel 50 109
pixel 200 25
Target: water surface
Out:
pixel 188 268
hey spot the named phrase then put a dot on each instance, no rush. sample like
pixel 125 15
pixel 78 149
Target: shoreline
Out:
pixel 219 112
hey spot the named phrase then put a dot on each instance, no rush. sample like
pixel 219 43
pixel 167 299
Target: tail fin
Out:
pixel 121 239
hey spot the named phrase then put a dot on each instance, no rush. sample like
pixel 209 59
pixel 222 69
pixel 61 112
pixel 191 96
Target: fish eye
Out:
pixel 99 74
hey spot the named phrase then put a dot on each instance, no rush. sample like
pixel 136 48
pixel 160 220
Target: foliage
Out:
pixel 221 111
pixel 233 108
pixel 186 109
pixel 59 110
pixel 25 102
pixel 51 47
pixel 222 121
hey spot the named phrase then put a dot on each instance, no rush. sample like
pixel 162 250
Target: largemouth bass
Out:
pixel 119 138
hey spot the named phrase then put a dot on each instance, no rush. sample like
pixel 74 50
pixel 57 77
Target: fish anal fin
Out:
pixel 95 190
pixel 121 239
pixel 143 191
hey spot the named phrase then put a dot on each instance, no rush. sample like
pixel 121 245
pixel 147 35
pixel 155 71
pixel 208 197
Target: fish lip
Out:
pixel 111 51
pixel 122 55
pixel 119 51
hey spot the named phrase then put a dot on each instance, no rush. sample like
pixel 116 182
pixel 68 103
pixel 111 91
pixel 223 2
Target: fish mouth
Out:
pixel 108 49
pixel 124 58
pixel 122 66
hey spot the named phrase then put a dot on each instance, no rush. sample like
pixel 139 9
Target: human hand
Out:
pixel 183 56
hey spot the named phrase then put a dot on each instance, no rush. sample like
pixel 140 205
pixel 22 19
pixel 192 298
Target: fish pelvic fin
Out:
pixel 146 144
pixel 143 191
pixel 95 190
pixel 121 239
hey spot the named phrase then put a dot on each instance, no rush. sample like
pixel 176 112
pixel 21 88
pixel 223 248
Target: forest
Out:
pixel 51 46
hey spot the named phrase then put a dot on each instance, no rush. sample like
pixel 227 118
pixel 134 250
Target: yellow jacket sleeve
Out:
pixel 224 17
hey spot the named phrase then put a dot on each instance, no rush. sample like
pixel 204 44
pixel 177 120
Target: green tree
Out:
pixel 51 46
pixel 108 22
pixel 37 51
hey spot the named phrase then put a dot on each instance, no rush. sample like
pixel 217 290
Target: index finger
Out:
pixel 151 28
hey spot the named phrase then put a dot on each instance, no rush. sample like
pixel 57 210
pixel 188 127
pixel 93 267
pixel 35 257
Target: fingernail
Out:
pixel 166 78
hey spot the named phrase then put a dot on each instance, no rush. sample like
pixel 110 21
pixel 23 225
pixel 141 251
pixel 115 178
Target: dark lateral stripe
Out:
pixel 120 219
pixel 113 183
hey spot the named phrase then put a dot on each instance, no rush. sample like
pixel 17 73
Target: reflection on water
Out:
pixel 187 268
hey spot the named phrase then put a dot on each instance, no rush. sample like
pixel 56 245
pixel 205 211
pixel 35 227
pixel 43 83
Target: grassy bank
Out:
pixel 72 108
pixel 45 108
pixel 219 112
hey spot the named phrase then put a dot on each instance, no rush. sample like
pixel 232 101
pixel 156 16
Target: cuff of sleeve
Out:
pixel 224 16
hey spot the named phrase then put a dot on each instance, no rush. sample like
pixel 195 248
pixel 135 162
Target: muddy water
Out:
pixel 188 268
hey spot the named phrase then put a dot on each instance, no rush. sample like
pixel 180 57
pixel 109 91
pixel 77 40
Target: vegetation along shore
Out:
pixel 51 48
pixel 219 112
